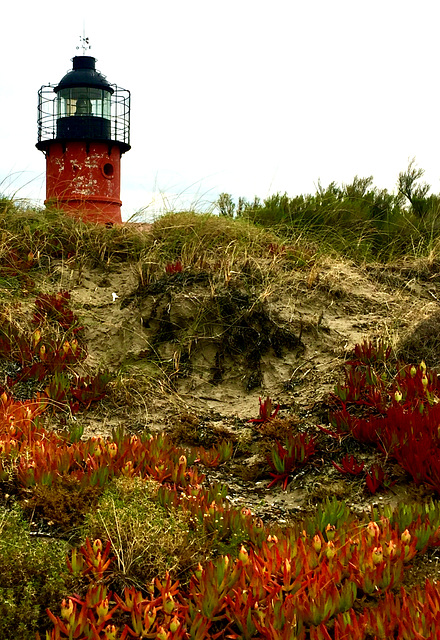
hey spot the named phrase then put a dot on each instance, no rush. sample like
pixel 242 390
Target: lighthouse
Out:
pixel 83 130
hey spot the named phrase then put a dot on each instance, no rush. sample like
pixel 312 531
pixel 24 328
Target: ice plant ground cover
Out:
pixel 305 581
pixel 395 407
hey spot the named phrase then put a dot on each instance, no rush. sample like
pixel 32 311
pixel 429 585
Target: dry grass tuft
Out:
pixel 422 342
pixel 147 540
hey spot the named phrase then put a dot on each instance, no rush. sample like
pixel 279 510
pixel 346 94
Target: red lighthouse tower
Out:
pixel 83 130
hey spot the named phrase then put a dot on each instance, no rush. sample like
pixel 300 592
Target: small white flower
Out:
pixel 114 296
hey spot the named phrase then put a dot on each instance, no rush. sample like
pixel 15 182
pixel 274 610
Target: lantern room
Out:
pixel 83 130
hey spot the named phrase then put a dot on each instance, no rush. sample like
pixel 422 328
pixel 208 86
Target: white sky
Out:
pixel 248 97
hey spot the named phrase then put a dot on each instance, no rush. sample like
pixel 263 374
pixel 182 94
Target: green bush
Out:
pixel 356 219
pixel 33 576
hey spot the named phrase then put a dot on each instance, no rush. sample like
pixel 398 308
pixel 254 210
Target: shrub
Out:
pixel 33 576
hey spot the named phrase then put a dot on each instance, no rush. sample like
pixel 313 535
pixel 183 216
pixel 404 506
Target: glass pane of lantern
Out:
pixel 100 102
pixel 83 105
pixel 95 98
pixel 66 105
pixel 84 101
pixel 106 105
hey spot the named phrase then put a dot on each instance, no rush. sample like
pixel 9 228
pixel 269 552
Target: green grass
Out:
pixel 357 221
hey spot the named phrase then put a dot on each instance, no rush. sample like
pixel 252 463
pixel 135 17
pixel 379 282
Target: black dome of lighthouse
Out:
pixel 84 74
pixel 84 102
pixel 84 105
